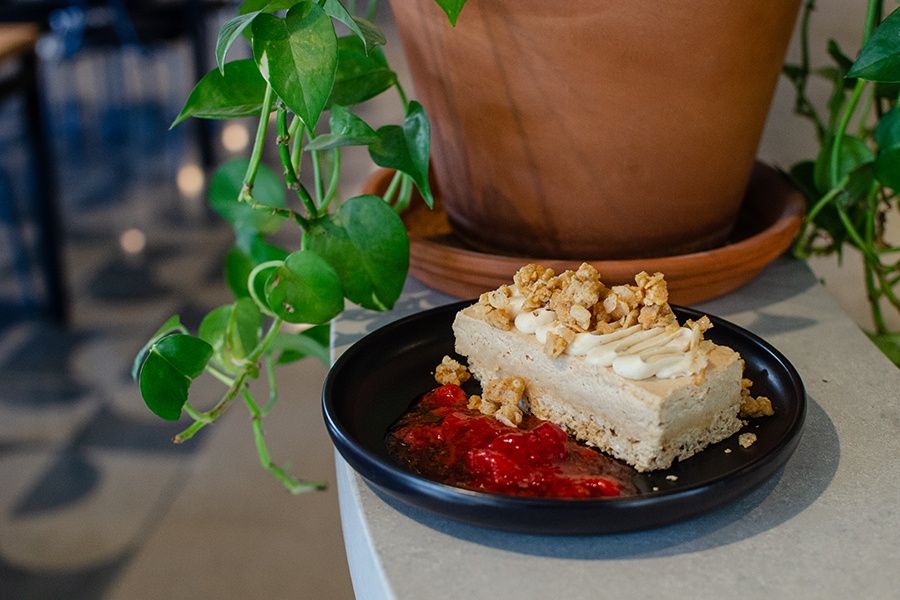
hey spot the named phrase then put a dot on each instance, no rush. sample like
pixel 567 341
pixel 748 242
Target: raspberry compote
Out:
pixel 441 439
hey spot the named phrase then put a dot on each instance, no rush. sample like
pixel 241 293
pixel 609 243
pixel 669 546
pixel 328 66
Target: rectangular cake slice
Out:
pixel 627 379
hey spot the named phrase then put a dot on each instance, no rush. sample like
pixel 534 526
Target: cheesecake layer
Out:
pixel 648 423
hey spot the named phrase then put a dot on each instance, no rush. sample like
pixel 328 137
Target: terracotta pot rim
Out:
pixel 443 263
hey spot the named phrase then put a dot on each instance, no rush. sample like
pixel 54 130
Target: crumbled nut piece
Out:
pixel 501 398
pixel 703 324
pixel 580 317
pixel 498 298
pixel 754 408
pixel 646 303
pixel 485 407
pixel 537 284
pixel 577 291
pixel 500 319
pixel 620 301
pixel 504 390
pixel 747 439
pixel 631 318
pixel 509 414
pixel 557 341
pixel 451 371
pixel 672 477
pixel 654 289
pixel 600 318
pixel 656 315
pixel 532 276
pixel 485 310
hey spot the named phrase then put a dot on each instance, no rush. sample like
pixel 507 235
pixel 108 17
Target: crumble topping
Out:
pixel 582 303
pixel 499 398
pixel 753 407
pixel 747 439
pixel 451 371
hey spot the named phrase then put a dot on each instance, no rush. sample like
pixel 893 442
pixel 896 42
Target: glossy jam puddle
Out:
pixel 441 439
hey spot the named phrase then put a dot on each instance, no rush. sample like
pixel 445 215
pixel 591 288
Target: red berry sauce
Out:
pixel 443 440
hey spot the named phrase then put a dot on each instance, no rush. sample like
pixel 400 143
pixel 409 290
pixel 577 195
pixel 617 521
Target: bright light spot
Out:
pixel 235 137
pixel 190 181
pixel 132 241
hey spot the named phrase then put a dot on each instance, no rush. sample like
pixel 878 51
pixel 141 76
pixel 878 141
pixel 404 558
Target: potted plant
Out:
pixel 352 249
pixel 851 185
pixel 604 130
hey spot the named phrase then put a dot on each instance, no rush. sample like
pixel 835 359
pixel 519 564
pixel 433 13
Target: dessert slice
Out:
pixel 612 366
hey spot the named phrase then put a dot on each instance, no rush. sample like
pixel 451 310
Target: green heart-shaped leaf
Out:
pixel 854 152
pixel 346 130
pixel 407 148
pixel 268 6
pixel 305 289
pixel 237 91
pixel 172 325
pixel 367 243
pixel 879 60
pixel 229 33
pixel 452 8
pixel 233 331
pixel 366 31
pixel 361 74
pixel 297 55
pixel 166 375
pixel 887 161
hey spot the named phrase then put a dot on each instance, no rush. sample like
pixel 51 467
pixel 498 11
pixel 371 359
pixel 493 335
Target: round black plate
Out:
pixel 377 379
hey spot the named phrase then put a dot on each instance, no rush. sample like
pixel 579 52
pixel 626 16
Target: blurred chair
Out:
pixel 19 76
pixel 75 26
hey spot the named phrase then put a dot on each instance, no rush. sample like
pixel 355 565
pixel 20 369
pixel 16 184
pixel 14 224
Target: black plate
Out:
pixel 377 379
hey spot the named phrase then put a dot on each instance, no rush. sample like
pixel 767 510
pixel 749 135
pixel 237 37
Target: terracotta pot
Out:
pixel 595 129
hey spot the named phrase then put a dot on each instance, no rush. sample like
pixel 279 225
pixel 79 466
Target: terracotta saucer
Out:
pixel 769 219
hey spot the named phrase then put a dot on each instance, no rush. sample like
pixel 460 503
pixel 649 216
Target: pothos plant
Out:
pixel 851 187
pixel 355 249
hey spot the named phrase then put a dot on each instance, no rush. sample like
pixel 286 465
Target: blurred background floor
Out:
pixel 95 502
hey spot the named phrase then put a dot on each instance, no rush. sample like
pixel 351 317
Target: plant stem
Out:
pixel 835 159
pixel 803 247
pixel 251 287
pixel 222 377
pixel 246 193
pixel 333 182
pixel 873 17
pixel 317 169
pixel 290 176
pixel 296 134
pixel 803 105
pixel 392 188
pixel 238 385
pixel 293 485
pixel 273 385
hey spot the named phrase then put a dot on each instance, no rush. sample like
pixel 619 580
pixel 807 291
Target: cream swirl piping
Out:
pixel 632 352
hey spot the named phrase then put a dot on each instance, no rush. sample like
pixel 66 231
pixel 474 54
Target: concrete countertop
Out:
pixel 824 527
